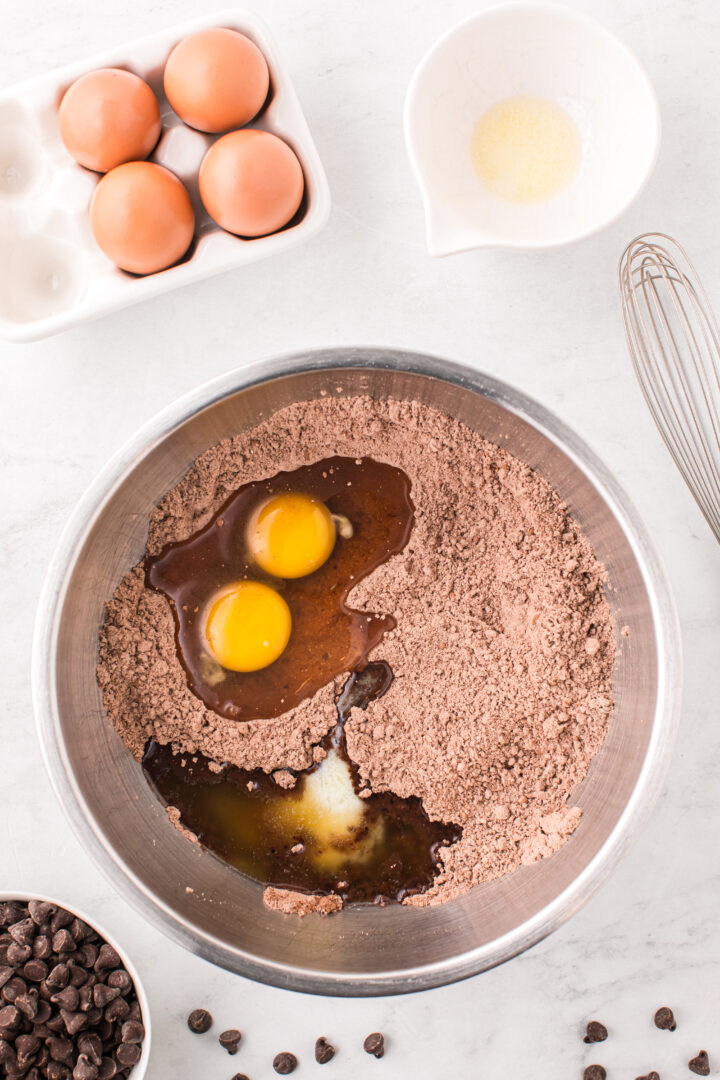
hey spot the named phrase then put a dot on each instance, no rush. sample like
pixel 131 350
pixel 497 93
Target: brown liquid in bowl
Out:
pixel 328 638
pixel 247 819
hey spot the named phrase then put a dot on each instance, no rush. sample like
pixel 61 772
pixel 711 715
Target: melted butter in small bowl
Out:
pixel 529 125
pixel 526 149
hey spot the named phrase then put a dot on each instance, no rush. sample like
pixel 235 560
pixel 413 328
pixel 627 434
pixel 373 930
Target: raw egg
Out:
pixel 142 217
pixel 108 117
pixel 216 79
pixel 251 183
pixel 291 535
pixel 248 626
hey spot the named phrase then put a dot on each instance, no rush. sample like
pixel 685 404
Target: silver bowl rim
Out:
pixel 463 965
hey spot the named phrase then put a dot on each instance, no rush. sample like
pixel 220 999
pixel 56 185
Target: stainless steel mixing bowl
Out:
pixel 363 950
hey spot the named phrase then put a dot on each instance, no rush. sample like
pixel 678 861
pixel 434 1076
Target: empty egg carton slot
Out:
pixel 23 165
pixel 40 276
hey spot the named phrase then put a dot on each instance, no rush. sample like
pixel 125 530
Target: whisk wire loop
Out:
pixel 674 344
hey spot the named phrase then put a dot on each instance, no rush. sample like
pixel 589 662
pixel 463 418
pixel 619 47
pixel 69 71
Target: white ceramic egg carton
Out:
pixel 52 273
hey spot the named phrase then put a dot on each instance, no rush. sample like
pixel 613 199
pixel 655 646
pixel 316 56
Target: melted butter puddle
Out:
pixel 319 836
pixel 525 149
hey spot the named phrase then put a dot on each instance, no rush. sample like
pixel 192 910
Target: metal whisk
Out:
pixel 674 344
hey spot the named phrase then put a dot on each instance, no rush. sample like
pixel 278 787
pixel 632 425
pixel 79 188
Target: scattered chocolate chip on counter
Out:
pixel 68 1008
pixel 650 1076
pixel 700 1065
pixel 595 1072
pixel 324 1051
pixel 285 1063
pixel 230 1040
pixel 199 1021
pixel 240 1076
pixel 375 1044
pixel 595 1032
pixel 664 1019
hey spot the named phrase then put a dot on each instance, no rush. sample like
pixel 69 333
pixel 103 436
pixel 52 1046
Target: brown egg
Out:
pixel 142 217
pixel 107 117
pixel 216 79
pixel 251 182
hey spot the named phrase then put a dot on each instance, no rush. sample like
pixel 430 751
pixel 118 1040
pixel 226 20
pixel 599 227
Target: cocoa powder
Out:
pixel 502 655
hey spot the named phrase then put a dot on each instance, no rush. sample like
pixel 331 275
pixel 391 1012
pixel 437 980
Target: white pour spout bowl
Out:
pixel 544 51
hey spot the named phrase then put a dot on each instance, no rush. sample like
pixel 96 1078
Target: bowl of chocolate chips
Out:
pixel 356 672
pixel 71 1004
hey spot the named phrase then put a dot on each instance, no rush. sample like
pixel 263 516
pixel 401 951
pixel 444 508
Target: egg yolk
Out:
pixel 248 626
pixel 291 535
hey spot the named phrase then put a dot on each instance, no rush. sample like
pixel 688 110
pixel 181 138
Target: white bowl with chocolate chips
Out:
pixel 72 1006
pixel 525 677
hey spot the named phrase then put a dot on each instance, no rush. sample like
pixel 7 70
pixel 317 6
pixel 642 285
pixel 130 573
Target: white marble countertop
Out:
pixel 548 323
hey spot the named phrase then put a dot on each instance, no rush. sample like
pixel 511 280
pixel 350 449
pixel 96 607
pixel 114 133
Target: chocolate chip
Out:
pixel 11 912
pixel 63 942
pixel 324 1051
pixel 199 1021
pixel 133 1032
pixel 80 930
pixel 285 1063
pixel 10 1017
pixel 7 1053
pixel 35 971
pixel 6 973
pixel 68 998
pixel 118 979
pixel 107 1069
pixel 91 1045
pixel 117 1010
pixel 107 959
pixel 375 1044
pixel 56 1071
pixel 43 1013
pixel 650 1076
pixel 87 954
pixel 74 1021
pixel 240 1076
pixel 594 1072
pixel 595 1032
pixel 128 1053
pixel 18 954
pixel 28 1004
pixel 59 977
pixel 103 995
pixel 42 947
pixel 664 1019
pixel 78 977
pixel 84 1069
pixel 41 911
pixel 230 1040
pixel 23 931
pixel 700 1065
pixel 13 988
pixel 60 919
pixel 27 1045
pixel 56 1024
pixel 60 1049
